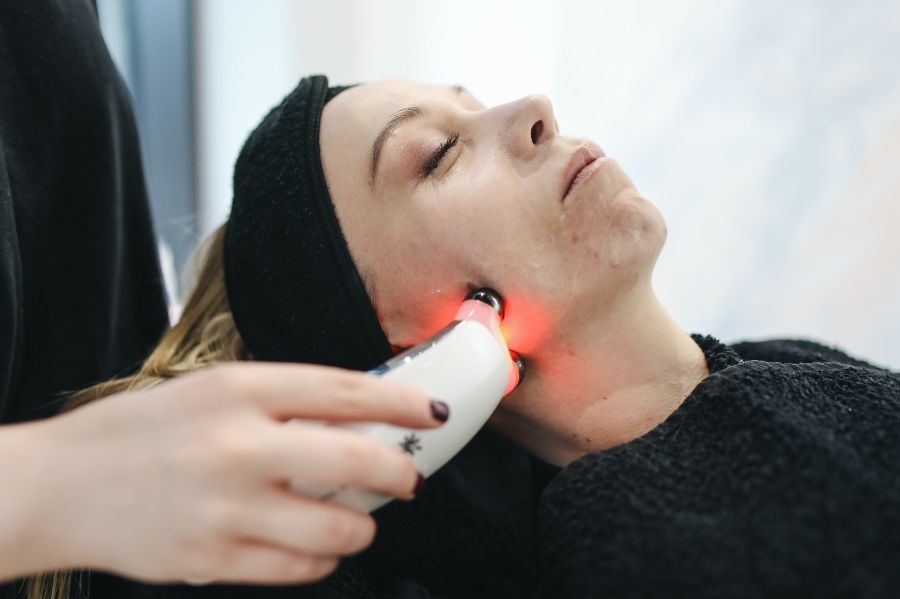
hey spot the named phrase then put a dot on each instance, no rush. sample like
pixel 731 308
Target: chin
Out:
pixel 650 237
pixel 654 226
pixel 629 253
pixel 627 230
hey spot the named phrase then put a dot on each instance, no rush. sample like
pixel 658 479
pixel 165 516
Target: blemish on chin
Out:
pixel 615 263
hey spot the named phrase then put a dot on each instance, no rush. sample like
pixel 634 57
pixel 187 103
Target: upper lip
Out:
pixel 583 155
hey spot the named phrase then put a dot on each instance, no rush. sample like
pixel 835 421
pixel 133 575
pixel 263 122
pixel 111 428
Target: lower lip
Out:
pixel 585 174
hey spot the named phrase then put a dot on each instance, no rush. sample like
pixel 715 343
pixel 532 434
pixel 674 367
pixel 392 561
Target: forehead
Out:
pixel 360 112
pixel 359 105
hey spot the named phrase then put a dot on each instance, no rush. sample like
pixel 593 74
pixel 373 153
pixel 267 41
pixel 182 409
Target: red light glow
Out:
pixel 525 325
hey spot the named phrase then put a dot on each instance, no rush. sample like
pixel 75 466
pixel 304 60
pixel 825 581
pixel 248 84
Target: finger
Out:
pixel 335 458
pixel 307 526
pixel 255 563
pixel 323 393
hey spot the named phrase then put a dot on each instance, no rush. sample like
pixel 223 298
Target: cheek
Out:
pixel 524 254
pixel 414 282
pixel 466 220
pixel 453 236
pixel 422 267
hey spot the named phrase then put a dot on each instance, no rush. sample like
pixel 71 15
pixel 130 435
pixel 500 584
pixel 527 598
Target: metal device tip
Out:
pixel 489 297
pixel 519 361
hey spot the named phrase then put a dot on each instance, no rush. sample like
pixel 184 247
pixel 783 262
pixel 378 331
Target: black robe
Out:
pixel 81 296
pixel 778 476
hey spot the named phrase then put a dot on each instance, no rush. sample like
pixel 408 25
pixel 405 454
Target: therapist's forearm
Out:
pixel 27 485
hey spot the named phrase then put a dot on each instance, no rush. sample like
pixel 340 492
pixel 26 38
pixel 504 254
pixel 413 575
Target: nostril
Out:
pixel 536 131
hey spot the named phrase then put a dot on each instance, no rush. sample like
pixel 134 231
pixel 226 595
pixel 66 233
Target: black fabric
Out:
pixel 775 478
pixel 81 297
pixel 798 351
pixel 779 476
pixel 292 286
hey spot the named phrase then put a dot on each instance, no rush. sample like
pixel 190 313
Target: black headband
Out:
pixel 293 289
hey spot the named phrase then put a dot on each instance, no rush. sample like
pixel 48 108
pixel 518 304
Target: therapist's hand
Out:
pixel 187 481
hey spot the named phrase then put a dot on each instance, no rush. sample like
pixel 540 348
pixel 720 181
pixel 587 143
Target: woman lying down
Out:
pixel 634 460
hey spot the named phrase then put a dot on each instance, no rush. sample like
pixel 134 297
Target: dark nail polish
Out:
pixel 440 410
pixel 420 485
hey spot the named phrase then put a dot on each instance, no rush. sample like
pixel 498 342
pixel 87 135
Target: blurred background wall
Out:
pixel 768 133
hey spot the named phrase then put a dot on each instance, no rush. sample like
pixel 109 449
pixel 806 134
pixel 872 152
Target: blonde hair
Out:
pixel 204 335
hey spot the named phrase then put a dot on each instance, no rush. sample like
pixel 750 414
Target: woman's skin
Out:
pixel 606 363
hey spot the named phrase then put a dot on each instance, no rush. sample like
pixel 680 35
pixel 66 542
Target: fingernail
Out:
pixel 440 410
pixel 420 485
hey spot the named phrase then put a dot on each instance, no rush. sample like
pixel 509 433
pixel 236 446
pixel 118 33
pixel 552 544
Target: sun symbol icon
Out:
pixel 411 444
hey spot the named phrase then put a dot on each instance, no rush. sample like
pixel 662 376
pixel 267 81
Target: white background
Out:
pixel 767 132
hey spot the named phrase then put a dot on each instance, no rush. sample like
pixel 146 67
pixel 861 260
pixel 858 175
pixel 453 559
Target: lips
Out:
pixel 583 156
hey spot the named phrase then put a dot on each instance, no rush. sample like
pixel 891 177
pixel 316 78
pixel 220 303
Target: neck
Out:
pixel 607 381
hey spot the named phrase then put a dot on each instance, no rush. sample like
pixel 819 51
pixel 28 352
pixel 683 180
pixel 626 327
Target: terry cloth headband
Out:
pixel 293 289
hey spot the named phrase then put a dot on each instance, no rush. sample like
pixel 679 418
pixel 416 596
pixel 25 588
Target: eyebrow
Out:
pixel 404 114
pixel 396 119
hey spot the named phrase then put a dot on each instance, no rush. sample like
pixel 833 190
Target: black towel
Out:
pixel 778 477
pixel 293 288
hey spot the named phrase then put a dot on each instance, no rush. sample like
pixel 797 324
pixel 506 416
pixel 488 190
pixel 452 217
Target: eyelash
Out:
pixel 435 160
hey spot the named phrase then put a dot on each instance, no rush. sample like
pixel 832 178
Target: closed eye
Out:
pixel 434 160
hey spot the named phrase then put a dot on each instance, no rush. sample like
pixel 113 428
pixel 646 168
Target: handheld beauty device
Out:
pixel 467 365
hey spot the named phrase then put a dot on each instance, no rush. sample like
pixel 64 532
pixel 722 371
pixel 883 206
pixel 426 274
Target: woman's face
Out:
pixel 438 195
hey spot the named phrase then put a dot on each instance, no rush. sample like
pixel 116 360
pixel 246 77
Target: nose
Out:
pixel 527 123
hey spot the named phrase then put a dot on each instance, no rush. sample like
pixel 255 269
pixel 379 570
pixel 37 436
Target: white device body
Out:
pixel 466 365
